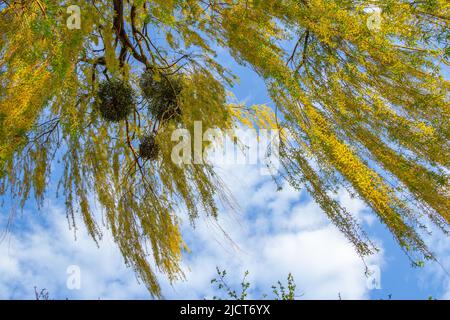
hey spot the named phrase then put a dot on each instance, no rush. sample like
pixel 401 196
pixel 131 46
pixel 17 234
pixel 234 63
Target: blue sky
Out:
pixel 271 234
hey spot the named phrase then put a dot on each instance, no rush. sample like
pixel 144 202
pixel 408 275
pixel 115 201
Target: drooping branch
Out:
pixel 121 33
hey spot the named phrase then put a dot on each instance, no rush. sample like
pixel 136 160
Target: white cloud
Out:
pixel 437 275
pixel 274 241
pixel 40 255
pixel 273 233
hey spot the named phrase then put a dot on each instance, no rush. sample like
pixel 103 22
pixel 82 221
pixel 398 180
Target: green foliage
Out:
pixel 365 110
pixel 42 294
pixel 162 95
pixel 280 292
pixel 115 100
pixel 148 148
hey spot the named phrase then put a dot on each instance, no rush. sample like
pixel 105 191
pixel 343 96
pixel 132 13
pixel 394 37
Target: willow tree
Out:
pixel 364 108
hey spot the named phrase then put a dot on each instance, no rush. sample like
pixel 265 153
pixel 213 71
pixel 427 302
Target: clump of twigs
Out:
pixel 162 95
pixel 148 148
pixel 115 100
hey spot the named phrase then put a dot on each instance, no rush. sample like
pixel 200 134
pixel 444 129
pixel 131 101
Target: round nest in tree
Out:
pixel 149 149
pixel 115 100
pixel 162 95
